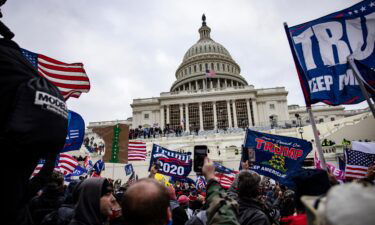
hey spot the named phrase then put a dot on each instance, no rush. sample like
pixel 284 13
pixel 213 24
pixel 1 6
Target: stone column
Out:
pixel 225 83
pixel 232 84
pixel 229 116
pixel 189 86
pixel 181 114
pixel 200 117
pixel 235 125
pixel 248 113
pixel 187 126
pixel 168 115
pixel 162 117
pixel 211 84
pixel 215 116
pixel 255 111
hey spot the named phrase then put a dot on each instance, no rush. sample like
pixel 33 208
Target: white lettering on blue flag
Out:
pixel 323 46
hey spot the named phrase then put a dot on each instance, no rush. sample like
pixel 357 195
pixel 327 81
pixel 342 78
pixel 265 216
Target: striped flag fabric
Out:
pixel 136 151
pixel 225 179
pixel 357 163
pixel 71 79
pixel 38 168
pixel 224 175
pixel 67 163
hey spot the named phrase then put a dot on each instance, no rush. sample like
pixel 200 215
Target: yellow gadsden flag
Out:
pixel 162 179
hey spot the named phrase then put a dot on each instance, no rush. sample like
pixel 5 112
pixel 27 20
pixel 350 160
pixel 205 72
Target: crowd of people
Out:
pixel 251 199
pixel 153 132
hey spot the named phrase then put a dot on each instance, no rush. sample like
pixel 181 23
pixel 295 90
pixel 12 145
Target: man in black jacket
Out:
pixel 247 188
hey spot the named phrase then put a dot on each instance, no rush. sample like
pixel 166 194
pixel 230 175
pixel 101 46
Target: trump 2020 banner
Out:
pixel 275 156
pixel 321 48
pixel 171 163
pixel 76 132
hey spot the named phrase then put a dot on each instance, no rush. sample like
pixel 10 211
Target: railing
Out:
pixel 338 126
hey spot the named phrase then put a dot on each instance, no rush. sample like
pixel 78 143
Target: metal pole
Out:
pixel 317 139
pixel 360 82
pixel 113 171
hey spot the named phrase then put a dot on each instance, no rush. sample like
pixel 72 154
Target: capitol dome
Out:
pixel 207 56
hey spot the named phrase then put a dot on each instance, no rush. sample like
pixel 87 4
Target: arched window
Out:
pixel 223 67
pixel 217 66
pixel 200 48
pixel 209 48
pixel 212 66
pixel 200 67
pixel 185 71
pixel 195 68
pixel 214 48
pixel 189 69
pixel 206 66
pixel 205 48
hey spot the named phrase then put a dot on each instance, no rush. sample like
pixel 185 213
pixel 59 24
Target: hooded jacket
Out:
pixel 87 210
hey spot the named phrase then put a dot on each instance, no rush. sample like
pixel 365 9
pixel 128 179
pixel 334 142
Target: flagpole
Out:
pixel 113 171
pixel 360 82
pixel 307 98
pixel 317 139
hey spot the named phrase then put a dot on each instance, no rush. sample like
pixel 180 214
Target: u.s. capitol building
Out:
pixel 197 102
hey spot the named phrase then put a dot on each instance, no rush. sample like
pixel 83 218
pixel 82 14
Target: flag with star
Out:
pixel 321 47
pixel 71 79
pixel 359 159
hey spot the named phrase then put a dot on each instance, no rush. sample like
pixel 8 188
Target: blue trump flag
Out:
pixel 171 163
pixel 129 169
pixel 320 49
pixel 275 156
pixel 99 166
pixel 78 171
pixel 76 132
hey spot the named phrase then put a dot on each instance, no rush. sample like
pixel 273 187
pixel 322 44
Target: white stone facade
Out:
pixel 223 100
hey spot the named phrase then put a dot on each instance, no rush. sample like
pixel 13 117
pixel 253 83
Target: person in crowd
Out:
pixel 146 202
pixel 221 208
pixel 51 198
pixel 179 215
pixel 183 200
pixel 95 202
pixel 64 214
pixel 312 182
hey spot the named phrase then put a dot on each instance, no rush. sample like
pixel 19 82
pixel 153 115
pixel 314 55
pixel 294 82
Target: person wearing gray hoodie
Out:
pixel 95 202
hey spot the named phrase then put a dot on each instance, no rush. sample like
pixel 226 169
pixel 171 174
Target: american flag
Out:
pixel 225 179
pixel 67 163
pixel 136 151
pixel 210 73
pixel 357 163
pixel 224 175
pixel 38 168
pixel 64 163
pixel 70 79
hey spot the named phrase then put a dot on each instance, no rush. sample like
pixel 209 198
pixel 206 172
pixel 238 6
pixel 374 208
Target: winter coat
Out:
pixel 87 210
pixel 50 200
pixel 251 213
pixel 62 216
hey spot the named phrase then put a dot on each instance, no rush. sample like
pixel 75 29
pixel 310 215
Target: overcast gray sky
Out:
pixel 131 49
